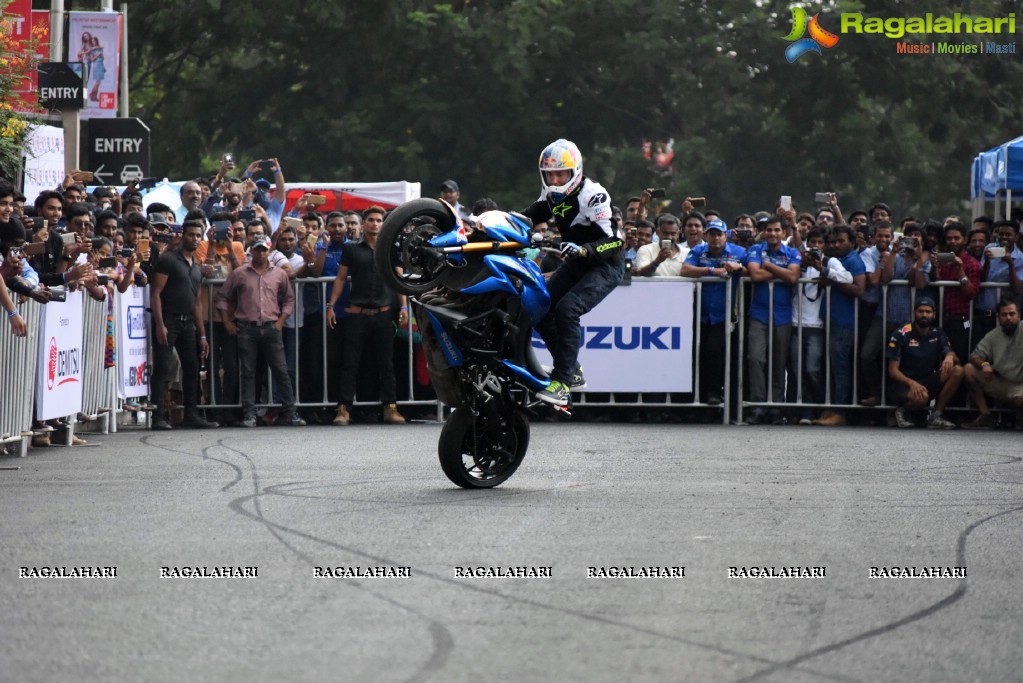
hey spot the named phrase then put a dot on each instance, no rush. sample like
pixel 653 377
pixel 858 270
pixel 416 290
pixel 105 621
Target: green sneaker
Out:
pixel 554 393
pixel 577 380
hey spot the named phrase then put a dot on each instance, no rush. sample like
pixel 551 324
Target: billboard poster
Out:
pixel 94 39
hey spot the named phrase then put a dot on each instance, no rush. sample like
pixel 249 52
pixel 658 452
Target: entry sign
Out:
pixel 60 87
pixel 118 150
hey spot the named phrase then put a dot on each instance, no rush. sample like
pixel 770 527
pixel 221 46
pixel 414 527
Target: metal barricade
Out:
pixel 97 399
pixel 323 400
pixel 19 358
pixel 797 333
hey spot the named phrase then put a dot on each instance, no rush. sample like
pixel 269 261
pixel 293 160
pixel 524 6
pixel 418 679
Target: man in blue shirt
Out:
pixel 715 258
pixel 843 303
pixel 1005 268
pixel 774 269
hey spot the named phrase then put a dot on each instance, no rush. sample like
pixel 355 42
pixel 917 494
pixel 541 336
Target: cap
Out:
pixel 925 301
pixel 262 243
pixel 263 184
pixel 717 224
pixel 158 219
pixel 449 185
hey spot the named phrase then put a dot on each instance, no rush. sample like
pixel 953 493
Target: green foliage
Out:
pixel 473 90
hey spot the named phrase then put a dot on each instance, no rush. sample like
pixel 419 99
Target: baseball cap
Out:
pixel 449 185
pixel 158 219
pixel 925 301
pixel 261 243
pixel 263 184
pixel 717 224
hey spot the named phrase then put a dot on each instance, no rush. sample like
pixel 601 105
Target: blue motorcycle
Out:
pixel 477 300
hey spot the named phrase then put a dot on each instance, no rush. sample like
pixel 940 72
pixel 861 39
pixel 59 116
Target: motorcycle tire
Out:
pixel 410 225
pixel 471 459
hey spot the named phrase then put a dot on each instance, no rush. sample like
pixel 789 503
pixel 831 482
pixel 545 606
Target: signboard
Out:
pixel 94 38
pixel 118 150
pixel 133 367
pixel 59 377
pixel 639 338
pixel 60 86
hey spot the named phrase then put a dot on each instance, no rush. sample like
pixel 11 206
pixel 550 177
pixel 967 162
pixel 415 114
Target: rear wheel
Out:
pixel 474 456
pixel 400 257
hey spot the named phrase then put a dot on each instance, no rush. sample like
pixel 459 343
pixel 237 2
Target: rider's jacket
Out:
pixel 584 218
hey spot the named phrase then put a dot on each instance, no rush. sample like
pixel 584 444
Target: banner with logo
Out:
pixel 133 343
pixel 59 378
pixel 640 338
pixel 94 39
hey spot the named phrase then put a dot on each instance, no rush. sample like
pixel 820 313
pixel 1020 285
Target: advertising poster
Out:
pixel 629 345
pixel 59 377
pixel 94 39
pixel 133 342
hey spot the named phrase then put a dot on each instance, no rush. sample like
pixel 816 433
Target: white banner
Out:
pixel 640 338
pixel 59 378
pixel 94 39
pixel 44 162
pixel 133 367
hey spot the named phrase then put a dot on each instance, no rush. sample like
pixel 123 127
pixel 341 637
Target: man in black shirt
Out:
pixel 922 367
pixel 175 298
pixel 369 325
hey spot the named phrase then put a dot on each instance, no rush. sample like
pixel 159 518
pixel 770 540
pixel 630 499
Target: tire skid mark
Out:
pixel 205 456
pixel 949 599
pixel 442 640
pixel 238 505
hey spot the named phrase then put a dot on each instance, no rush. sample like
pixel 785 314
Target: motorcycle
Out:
pixel 477 300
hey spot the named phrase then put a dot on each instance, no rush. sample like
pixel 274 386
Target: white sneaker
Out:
pixel 937 421
pixel 902 419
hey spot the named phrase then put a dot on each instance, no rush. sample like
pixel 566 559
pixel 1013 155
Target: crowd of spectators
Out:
pixel 835 309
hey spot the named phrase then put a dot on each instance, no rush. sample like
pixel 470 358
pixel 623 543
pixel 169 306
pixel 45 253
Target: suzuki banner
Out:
pixel 59 378
pixel 639 338
pixel 133 343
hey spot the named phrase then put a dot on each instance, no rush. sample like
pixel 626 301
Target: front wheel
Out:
pixel 401 255
pixel 474 456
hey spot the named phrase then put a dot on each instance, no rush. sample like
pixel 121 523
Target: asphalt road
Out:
pixel 705 498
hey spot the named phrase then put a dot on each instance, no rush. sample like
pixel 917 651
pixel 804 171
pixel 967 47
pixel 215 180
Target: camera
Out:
pixel 743 235
pixel 822 198
pixel 658 193
pixel 126 252
pixel 945 256
pixel 146 184
pixel 247 214
pixel 815 254
pixel 163 237
pixel 228 158
pixel 102 280
pixel 907 244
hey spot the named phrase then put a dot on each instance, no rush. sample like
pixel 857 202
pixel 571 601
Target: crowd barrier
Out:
pixel 639 348
pixel 18 360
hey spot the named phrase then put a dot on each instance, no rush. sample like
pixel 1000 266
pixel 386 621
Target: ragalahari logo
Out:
pixel 818 36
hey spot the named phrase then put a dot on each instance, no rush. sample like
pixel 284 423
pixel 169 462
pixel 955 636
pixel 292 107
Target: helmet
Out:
pixel 561 155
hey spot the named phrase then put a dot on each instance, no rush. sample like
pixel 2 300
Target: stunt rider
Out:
pixel 593 264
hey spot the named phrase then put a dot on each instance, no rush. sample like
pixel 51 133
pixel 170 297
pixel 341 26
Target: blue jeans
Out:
pixel 842 360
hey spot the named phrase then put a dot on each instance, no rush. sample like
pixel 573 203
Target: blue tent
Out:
pixel 999 169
